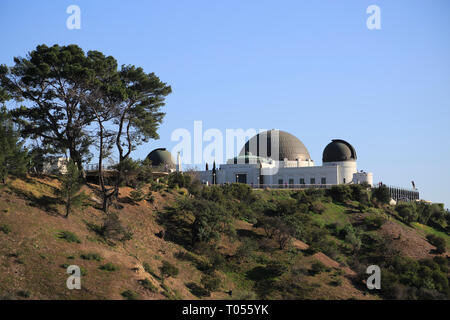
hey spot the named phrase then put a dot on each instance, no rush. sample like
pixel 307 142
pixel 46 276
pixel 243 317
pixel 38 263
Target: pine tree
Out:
pixel 56 82
pixel 71 184
pixel 13 156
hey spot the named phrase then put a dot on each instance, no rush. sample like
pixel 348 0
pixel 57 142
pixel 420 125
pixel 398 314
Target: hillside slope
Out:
pixel 38 243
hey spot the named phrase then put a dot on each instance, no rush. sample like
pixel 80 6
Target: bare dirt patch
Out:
pixel 407 240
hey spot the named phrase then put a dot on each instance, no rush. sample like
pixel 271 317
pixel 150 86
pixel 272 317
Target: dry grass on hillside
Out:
pixel 33 257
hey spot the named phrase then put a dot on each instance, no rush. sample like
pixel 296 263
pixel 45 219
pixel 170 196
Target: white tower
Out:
pixel 179 169
pixel 341 154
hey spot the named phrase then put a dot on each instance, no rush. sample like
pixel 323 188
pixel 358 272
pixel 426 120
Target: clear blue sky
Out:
pixel 311 68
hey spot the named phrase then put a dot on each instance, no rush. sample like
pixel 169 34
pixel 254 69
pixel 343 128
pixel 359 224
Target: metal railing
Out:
pixel 94 167
pixel 400 194
pixel 292 186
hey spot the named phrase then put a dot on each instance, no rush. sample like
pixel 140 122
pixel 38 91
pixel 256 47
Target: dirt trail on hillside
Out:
pixel 407 240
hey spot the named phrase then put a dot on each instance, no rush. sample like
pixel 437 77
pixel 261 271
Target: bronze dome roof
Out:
pixel 160 157
pixel 339 150
pixel 289 146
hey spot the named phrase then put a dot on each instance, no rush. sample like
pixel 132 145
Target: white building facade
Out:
pixel 280 160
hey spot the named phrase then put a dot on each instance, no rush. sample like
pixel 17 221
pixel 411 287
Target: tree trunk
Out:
pixel 67 209
pixel 76 158
pixel 105 205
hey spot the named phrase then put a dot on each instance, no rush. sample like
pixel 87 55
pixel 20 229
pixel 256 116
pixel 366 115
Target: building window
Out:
pixel 323 181
pixel 241 178
pixel 280 182
pixel 291 181
pixel 302 180
pixel 312 181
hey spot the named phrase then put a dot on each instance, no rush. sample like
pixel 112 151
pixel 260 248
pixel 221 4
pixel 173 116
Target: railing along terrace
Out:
pixel 94 167
pixel 292 186
pixel 401 194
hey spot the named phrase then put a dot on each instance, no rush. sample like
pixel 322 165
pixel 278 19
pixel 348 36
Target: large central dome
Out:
pixel 265 144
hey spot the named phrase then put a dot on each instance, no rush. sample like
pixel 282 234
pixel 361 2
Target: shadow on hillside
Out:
pixel 127 200
pixel 45 184
pixel 95 199
pixel 45 203
pixel 177 230
pixel 434 251
pixel 248 234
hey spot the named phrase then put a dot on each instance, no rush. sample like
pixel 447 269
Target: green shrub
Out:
pixel 239 191
pixel 211 220
pixel 137 195
pixel 442 263
pixel 69 236
pixel 155 186
pixel 381 194
pixel 130 295
pixel 168 270
pixel 359 192
pixel 109 267
pixel 147 284
pixel 318 267
pixel 317 207
pixel 272 270
pixel 407 212
pixel 112 229
pixel 276 269
pixel 91 256
pixel 211 282
pixel 246 249
pixel 5 228
pixel 340 193
pixel 179 179
pixel 150 197
pixel 315 194
pixel 438 242
pixel 374 221
pixel 362 207
pixel 285 207
pixel 197 290
pixel 336 282
pixel 149 270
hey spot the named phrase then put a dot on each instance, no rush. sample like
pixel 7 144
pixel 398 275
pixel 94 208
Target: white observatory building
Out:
pixel 276 158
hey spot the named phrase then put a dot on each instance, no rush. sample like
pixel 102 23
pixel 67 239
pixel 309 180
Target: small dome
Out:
pixel 339 150
pixel 160 157
pixel 289 146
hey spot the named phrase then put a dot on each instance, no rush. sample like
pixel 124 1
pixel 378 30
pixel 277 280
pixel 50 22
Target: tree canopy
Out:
pixel 72 101
pixel 63 90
